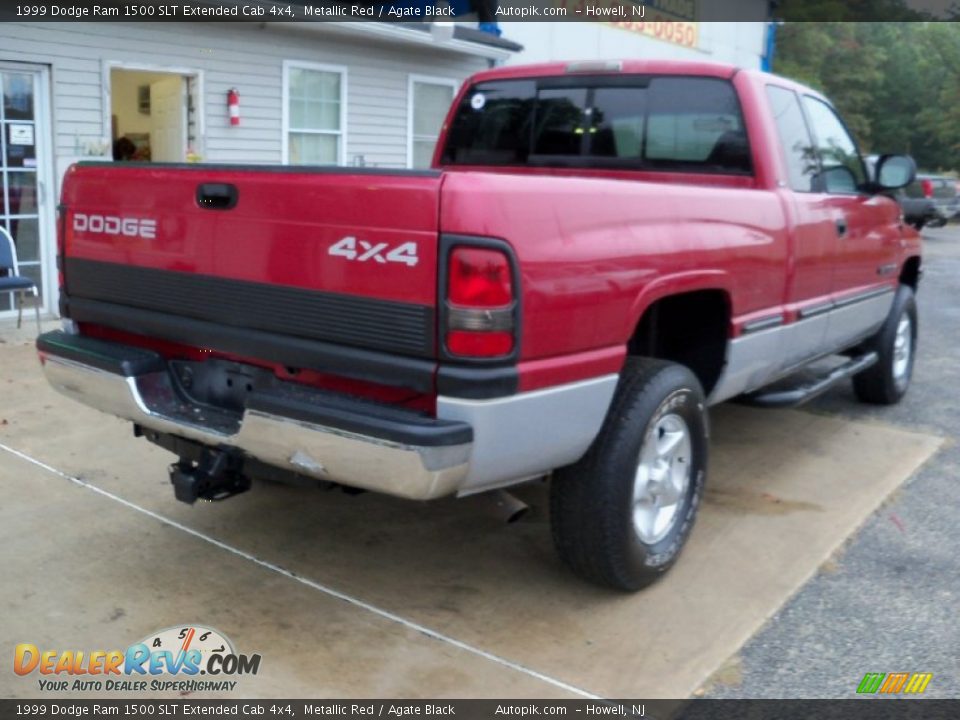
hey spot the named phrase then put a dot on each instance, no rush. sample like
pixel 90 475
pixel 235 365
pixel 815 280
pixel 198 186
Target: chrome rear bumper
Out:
pixel 326 453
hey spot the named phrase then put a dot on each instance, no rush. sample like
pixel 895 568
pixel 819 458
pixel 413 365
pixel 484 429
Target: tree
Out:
pixel 849 11
pixel 940 117
pixel 896 84
pixel 839 59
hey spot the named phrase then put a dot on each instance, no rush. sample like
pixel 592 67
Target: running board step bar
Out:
pixel 802 393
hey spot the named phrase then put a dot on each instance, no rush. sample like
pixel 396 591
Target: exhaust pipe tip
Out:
pixel 506 507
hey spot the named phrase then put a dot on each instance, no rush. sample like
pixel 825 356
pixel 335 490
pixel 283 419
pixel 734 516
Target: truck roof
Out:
pixel 636 67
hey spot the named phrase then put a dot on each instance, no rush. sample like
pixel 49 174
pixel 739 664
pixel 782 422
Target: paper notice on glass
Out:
pixel 21 134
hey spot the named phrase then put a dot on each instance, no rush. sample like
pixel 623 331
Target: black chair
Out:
pixel 11 281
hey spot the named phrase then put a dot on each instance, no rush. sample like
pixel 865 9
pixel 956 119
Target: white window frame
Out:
pixel 426 80
pixel 285 130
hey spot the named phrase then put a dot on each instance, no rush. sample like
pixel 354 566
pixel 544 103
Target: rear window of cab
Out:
pixel 666 123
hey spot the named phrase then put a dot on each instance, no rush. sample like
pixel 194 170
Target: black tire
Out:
pixel 885 383
pixel 592 501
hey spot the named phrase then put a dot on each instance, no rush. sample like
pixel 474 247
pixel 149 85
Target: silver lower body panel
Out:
pixel 758 359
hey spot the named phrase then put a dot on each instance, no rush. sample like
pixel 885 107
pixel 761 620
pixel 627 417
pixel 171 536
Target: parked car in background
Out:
pixel 919 211
pixel 943 192
pixel 918 202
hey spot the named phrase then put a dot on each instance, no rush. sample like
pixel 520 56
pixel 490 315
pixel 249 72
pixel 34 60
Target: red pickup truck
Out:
pixel 600 252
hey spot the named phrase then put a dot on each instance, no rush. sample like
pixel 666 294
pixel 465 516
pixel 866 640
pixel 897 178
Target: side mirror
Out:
pixel 894 172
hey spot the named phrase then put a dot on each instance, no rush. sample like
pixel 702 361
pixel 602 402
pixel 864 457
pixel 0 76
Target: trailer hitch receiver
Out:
pixel 215 476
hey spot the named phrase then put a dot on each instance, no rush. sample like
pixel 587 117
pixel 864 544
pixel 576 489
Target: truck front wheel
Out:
pixel 886 382
pixel 621 514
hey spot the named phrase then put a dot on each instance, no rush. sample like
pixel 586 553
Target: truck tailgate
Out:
pixel 345 257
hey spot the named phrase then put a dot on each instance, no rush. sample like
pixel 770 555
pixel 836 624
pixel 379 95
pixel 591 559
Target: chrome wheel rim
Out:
pixel 662 478
pixel 902 349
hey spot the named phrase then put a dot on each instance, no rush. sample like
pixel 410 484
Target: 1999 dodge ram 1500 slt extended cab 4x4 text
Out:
pixel 599 253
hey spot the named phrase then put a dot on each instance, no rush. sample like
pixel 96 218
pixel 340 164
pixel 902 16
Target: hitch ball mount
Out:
pixel 215 476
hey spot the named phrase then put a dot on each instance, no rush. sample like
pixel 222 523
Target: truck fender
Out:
pixel 674 284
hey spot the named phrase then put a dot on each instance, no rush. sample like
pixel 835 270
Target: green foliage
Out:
pixel 847 10
pixel 896 84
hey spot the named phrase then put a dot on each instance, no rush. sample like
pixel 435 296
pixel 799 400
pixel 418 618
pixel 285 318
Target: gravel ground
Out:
pixel 890 599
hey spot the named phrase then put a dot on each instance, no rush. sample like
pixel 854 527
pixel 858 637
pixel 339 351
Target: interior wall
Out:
pixel 124 86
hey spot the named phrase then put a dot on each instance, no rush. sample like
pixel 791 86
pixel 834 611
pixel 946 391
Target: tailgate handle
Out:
pixel 217 196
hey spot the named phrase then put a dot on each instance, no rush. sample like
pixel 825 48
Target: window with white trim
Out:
pixel 430 98
pixel 315 113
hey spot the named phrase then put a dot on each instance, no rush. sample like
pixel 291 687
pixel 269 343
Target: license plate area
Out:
pixel 220 383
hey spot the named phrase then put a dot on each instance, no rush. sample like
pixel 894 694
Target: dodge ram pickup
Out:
pixel 599 253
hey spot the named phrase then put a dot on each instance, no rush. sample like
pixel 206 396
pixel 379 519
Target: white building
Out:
pixel 727 31
pixel 737 43
pixel 311 93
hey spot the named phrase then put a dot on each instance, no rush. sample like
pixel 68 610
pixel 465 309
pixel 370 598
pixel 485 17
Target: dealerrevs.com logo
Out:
pixel 184 658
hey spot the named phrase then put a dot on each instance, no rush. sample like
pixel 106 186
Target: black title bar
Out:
pixel 420 11
pixel 855 709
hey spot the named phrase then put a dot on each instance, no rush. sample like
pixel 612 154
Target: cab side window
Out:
pixel 802 164
pixel 841 167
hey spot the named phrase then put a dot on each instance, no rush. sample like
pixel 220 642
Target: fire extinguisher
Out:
pixel 233 105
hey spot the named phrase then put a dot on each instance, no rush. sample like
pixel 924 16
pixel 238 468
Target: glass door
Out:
pixel 22 171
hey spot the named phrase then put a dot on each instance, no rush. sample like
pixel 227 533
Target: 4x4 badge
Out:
pixel 363 251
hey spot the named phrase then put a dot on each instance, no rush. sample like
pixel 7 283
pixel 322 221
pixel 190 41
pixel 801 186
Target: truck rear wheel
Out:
pixel 886 382
pixel 621 514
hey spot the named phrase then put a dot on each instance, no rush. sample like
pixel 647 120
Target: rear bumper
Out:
pixel 349 443
pixel 473 445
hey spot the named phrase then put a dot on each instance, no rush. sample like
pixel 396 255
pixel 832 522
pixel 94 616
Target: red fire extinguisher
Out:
pixel 233 105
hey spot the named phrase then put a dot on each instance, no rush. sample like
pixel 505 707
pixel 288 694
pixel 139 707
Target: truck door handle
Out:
pixel 217 196
pixel 842 227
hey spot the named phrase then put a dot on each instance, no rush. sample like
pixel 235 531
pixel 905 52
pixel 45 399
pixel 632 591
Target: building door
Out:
pixel 25 172
pixel 168 119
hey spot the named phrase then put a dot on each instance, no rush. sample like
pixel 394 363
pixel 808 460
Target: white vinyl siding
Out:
pixel 314 103
pixel 374 115
pixel 244 56
pixel 429 100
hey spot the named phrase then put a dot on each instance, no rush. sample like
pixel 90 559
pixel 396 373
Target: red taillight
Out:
pixel 480 303
pixel 927 187
pixel 479 278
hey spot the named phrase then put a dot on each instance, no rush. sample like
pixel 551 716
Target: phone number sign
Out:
pixel 677 32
